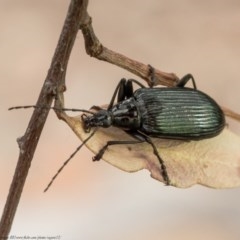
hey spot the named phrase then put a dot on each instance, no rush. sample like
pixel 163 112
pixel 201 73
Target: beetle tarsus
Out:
pixel 162 164
pixel 98 156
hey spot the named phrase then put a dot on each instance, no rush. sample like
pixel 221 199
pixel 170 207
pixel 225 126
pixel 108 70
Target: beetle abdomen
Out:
pixel 180 113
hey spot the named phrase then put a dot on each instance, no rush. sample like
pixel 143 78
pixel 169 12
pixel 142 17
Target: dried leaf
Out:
pixel 213 162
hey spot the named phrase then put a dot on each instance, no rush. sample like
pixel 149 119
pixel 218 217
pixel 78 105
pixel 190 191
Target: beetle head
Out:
pixel 100 119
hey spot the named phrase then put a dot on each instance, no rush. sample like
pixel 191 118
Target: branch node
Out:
pixel 86 23
pixel 20 141
pixel 92 45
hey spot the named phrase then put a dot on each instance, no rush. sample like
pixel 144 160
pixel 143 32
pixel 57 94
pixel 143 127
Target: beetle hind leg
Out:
pixel 183 81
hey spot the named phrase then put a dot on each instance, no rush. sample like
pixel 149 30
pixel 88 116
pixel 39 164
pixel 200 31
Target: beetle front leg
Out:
pixel 124 90
pixel 119 90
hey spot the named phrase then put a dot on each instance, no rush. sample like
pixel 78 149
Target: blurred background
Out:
pixel 95 200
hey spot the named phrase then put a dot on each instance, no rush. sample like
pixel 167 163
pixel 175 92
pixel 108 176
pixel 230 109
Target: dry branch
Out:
pixel 95 49
pixel 54 82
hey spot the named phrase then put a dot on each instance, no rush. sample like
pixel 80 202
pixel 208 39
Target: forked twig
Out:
pixel 95 49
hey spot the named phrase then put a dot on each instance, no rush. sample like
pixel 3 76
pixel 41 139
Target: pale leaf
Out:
pixel 213 162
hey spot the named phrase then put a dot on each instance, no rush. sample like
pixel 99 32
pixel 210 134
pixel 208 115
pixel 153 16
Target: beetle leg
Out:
pixel 183 81
pixel 99 155
pixel 128 89
pixel 119 86
pixel 96 108
pixel 144 138
pixel 124 90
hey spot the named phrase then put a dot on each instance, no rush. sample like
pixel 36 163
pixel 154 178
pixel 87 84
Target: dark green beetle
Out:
pixel 173 112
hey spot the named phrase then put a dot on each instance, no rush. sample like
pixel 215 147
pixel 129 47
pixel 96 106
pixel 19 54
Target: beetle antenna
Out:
pixel 54 108
pixel 67 161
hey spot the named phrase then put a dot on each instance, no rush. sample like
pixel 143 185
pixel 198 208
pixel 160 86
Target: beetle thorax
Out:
pixel 125 115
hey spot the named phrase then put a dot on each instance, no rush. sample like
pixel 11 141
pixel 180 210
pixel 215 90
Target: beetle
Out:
pixel 173 112
pixel 163 112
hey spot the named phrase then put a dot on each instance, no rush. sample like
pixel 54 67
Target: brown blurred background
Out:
pixel 95 200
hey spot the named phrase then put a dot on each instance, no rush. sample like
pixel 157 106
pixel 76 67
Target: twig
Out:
pixel 95 49
pixel 228 112
pixel 55 81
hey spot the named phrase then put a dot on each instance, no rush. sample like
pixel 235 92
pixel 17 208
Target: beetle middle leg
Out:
pixel 140 139
pixel 144 138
